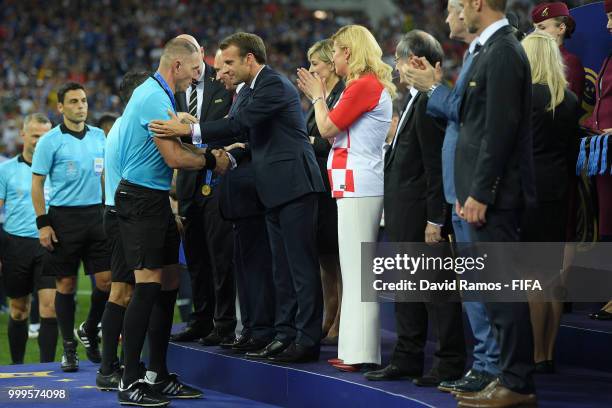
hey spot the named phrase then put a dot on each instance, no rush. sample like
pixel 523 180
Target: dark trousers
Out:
pixel 407 224
pixel 297 281
pixel 510 321
pixel 209 250
pixel 253 267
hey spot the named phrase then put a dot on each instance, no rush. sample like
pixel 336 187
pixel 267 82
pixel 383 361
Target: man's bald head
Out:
pixel 177 49
pixel 195 43
pixel 189 38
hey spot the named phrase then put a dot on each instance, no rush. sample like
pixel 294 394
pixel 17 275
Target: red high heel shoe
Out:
pixel 333 361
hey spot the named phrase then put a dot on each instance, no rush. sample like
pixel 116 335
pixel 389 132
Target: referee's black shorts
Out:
pixel 81 236
pixel 119 270
pixel 22 266
pixel 148 228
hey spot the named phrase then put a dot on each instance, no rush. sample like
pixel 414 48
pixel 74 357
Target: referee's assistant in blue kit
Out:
pixel 71 155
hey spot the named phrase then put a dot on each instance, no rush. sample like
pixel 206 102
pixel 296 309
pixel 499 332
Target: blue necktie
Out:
pixel 465 68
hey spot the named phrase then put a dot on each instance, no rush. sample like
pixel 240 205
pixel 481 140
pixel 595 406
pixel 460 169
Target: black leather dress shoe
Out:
pixel 296 353
pixel 390 373
pixel 472 381
pixel 238 341
pixel 188 334
pixel 272 349
pixel 215 338
pixel 250 345
pixel 433 379
pixel 601 315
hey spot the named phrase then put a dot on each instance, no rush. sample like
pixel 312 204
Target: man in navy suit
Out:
pixel 287 179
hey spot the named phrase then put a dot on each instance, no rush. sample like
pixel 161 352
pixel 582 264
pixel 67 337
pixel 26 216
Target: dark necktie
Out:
pixel 193 100
pixel 240 96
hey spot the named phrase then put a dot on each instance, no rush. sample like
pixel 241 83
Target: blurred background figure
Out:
pixel 320 56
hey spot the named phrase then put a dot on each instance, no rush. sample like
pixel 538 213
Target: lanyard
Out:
pixel 162 82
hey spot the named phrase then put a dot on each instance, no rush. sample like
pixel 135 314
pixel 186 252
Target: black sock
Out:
pixel 135 323
pixel 160 327
pixel 96 309
pixel 112 323
pixel 18 337
pixel 64 309
pixel 47 339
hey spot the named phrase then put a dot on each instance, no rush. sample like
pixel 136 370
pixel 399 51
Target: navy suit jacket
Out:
pixel 283 158
pixel 237 192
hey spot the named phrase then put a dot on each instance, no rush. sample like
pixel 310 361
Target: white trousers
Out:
pixel 358 221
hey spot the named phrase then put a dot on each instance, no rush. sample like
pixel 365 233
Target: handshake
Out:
pixel 223 158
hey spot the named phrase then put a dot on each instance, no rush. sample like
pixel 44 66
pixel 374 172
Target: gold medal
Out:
pixel 206 190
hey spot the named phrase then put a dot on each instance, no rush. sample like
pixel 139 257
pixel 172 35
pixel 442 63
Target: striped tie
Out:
pixel 193 101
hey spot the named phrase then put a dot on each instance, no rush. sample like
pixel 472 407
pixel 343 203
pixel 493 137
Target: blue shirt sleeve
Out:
pixel 155 107
pixel 439 103
pixel 3 182
pixel 43 156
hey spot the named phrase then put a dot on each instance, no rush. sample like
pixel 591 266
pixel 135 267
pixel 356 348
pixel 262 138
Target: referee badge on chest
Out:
pixel 98 165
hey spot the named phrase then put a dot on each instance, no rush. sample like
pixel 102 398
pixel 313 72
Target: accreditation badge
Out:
pixel 98 165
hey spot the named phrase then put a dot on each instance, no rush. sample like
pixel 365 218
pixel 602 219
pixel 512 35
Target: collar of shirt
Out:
pixel 255 79
pixel 492 29
pixel 239 87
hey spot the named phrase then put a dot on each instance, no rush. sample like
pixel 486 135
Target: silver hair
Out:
pixel 420 44
pixel 456 4
pixel 37 117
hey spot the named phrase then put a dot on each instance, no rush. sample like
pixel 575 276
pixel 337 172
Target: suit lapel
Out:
pixel 209 90
pixel 391 154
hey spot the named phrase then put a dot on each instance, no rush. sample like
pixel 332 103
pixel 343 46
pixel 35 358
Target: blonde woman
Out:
pixel 358 125
pixel 555 114
pixel 322 66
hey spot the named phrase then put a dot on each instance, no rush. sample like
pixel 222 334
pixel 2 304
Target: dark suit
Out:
pixel 494 165
pixel 555 148
pixel 414 196
pixel 252 257
pixel 208 241
pixel 327 229
pixel 286 177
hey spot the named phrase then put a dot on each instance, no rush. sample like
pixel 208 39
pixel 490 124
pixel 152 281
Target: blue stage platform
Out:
pixel 586 384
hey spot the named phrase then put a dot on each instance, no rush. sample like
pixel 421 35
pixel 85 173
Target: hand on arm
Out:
pixel 46 234
pixel 170 128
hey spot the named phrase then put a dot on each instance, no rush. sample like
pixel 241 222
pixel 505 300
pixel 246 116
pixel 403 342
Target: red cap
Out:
pixel 608 6
pixel 545 11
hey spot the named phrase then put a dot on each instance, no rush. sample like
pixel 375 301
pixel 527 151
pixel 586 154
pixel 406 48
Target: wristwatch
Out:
pixel 315 100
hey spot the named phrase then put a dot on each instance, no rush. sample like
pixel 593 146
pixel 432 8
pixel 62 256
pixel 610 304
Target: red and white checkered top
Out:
pixel 363 115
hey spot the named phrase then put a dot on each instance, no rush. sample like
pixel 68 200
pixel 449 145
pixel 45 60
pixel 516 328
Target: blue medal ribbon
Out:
pixel 604 156
pixel 162 82
pixel 594 158
pixel 581 156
